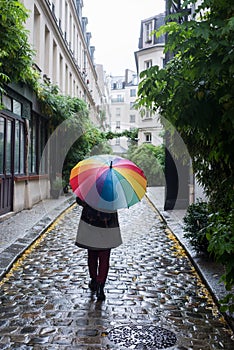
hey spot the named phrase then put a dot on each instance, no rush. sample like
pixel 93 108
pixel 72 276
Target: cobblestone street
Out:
pixel 154 297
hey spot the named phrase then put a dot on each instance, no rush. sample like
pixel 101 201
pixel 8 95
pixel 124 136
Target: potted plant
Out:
pixel 56 187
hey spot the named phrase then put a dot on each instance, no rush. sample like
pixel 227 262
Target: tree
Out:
pixel 15 51
pixel 150 159
pixel 195 93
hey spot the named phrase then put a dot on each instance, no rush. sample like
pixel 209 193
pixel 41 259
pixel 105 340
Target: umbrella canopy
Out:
pixel 108 182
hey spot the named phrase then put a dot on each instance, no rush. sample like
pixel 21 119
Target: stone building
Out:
pixel 150 53
pixel 123 115
pixel 64 57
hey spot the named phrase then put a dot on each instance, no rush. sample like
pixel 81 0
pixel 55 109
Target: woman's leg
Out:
pixel 104 264
pixel 93 263
pixel 103 268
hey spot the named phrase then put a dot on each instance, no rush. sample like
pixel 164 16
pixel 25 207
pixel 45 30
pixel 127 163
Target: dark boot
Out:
pixel 93 285
pixel 100 292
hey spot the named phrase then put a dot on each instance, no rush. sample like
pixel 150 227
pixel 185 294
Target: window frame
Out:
pixel 148 137
pixel 132 92
pixel 148 32
pixel 148 64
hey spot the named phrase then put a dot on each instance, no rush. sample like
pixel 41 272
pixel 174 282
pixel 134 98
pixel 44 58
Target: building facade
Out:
pixel 63 57
pixel 123 116
pixel 63 54
pixel 150 54
pixel 105 102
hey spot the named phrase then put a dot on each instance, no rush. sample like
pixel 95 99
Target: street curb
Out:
pixel 210 272
pixel 13 252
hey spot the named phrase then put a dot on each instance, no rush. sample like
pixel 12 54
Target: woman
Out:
pixel 98 232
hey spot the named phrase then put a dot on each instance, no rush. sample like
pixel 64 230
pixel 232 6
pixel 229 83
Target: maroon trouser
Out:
pixel 98 262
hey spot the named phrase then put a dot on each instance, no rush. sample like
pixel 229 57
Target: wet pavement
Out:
pixel 154 297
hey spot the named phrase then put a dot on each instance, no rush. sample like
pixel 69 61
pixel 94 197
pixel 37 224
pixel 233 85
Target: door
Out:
pixel 6 164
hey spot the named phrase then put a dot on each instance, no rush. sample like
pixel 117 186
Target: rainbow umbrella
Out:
pixel 108 182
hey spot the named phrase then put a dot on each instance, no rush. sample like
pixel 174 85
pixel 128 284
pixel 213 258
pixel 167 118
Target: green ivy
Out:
pixel 195 225
pixel 195 93
pixel 16 55
pixel 59 107
pixel 220 234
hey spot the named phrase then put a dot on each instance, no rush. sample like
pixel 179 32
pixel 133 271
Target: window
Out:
pixel 12 105
pixel 132 118
pixel 17 107
pixel 66 19
pixel 148 64
pixel 53 9
pixel 118 98
pixel 148 114
pixel 8 159
pixel 117 141
pixel 32 147
pixel 36 33
pixel 70 84
pixel 19 148
pixel 148 137
pixel 70 28
pixel 117 112
pixel 148 31
pixel 132 92
pixel 2 143
pixel 6 101
pixel 132 105
pixel 117 124
pixel 66 79
pixel 38 137
pixel 60 11
pixel 55 60
pixel 120 85
pixel 47 50
pixel 61 71
pixel 41 146
pixel 6 137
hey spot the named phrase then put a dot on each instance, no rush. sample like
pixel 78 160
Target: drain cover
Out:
pixel 142 337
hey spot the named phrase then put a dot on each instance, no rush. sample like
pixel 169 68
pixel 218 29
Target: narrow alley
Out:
pixel 154 297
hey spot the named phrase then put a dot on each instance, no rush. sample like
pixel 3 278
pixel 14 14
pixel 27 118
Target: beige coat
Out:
pixel 97 230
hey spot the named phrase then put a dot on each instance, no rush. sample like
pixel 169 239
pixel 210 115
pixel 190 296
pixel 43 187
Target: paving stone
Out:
pixel 45 302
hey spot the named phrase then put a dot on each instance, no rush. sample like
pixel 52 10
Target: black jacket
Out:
pixel 97 218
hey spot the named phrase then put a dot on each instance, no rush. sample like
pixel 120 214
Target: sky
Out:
pixel 115 30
